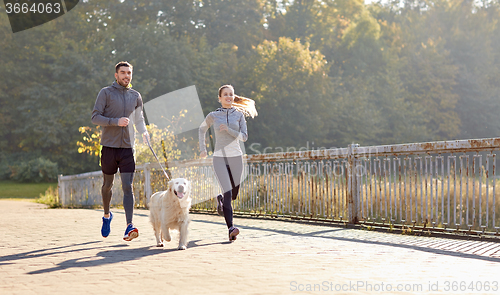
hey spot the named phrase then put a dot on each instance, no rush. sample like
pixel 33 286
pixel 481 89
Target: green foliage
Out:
pixel 14 190
pixel 289 84
pixel 239 22
pixel 50 197
pixel 37 170
pixel 330 72
pixel 163 143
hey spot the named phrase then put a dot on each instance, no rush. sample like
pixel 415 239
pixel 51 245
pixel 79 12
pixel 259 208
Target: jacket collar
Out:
pixel 120 87
pixel 232 109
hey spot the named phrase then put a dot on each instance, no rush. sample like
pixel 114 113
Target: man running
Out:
pixel 117 108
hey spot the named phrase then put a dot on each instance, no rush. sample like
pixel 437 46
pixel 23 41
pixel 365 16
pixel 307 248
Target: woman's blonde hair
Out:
pixel 242 104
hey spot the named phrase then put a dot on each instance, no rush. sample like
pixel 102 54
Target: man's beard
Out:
pixel 123 83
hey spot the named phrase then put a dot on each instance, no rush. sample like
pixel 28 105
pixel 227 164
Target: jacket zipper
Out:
pixel 124 111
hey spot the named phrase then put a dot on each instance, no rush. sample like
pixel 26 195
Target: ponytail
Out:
pixel 245 105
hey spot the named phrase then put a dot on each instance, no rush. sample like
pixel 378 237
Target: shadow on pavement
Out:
pixel 105 257
pixel 317 234
pixel 113 256
pixel 46 252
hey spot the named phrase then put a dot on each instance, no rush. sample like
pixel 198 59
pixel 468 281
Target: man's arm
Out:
pixel 97 114
pixel 140 124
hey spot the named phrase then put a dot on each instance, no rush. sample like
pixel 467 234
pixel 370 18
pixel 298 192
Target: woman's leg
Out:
pixel 236 169
pixel 228 172
pixel 222 174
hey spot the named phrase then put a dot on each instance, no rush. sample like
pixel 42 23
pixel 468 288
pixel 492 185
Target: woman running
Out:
pixel 230 128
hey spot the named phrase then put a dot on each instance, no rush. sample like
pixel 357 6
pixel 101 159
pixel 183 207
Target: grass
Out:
pixel 22 191
pixel 51 198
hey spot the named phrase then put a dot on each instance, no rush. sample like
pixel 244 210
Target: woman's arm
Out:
pixel 202 131
pixel 243 133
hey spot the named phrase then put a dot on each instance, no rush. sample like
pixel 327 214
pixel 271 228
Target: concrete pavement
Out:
pixel 61 251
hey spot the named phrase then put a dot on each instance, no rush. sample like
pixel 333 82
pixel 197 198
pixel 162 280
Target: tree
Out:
pixel 238 22
pixel 291 88
pixel 470 31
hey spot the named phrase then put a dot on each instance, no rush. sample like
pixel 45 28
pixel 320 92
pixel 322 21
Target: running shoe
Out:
pixel 106 225
pixel 220 207
pixel 131 233
pixel 233 232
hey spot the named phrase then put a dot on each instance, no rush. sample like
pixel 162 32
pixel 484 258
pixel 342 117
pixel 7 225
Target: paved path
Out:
pixel 60 251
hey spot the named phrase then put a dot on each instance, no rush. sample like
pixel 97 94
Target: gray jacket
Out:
pixel 227 143
pixel 112 103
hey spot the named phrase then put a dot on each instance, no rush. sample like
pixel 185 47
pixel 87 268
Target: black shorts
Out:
pixel 114 158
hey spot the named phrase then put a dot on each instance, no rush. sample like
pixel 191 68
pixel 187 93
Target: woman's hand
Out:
pixel 223 127
pixel 203 155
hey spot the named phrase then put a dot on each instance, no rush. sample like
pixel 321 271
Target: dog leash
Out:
pixel 149 144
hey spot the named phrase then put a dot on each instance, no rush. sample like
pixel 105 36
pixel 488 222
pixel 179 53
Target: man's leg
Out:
pixel 109 168
pixel 131 232
pixel 128 195
pixel 107 192
pixel 106 200
pixel 126 165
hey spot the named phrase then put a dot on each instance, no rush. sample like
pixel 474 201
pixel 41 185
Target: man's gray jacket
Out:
pixel 112 103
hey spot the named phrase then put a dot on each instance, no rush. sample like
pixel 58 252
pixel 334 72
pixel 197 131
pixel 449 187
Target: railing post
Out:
pixel 352 186
pixel 147 183
pixel 61 190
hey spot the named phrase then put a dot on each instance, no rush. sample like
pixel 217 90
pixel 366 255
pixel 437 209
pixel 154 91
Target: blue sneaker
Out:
pixel 106 222
pixel 131 233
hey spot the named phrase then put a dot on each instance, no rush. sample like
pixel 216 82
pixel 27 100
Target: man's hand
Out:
pixel 203 155
pixel 145 137
pixel 123 121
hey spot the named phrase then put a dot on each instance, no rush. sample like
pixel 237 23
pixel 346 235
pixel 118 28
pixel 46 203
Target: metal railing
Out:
pixel 446 186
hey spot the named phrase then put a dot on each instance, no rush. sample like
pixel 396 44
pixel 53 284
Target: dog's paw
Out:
pixel 183 247
pixel 159 245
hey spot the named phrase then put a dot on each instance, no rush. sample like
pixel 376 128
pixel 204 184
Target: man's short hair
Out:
pixel 123 64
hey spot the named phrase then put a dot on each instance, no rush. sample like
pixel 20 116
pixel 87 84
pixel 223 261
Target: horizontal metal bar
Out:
pixel 471 145
pixel 416 184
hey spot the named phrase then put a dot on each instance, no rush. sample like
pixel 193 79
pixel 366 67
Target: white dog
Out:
pixel 170 210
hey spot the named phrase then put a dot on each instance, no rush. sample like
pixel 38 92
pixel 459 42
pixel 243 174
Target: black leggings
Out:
pixel 113 159
pixel 228 171
pixel 128 194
